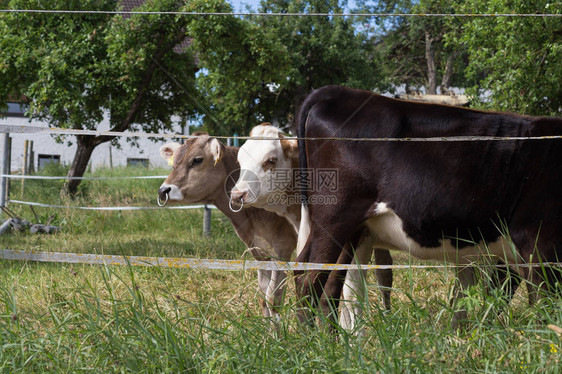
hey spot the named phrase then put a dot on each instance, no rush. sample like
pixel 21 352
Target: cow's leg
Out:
pixel 332 291
pixel 275 293
pixel 544 280
pixel 384 276
pixel 272 289
pixel 324 246
pixel 536 285
pixel 506 280
pixel 354 291
pixel 271 284
pixel 309 285
pixel 466 277
pixel 264 280
pixel 334 288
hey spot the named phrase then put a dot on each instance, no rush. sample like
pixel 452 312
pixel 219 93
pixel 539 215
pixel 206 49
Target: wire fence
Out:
pixel 208 263
pixel 61 257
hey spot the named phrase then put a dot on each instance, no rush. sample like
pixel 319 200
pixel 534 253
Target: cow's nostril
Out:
pixel 163 195
pixel 163 191
pixel 238 198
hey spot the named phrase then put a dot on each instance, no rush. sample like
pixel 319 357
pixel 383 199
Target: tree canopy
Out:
pixel 140 69
pixel 516 62
pixel 412 50
pixel 74 68
pixel 260 68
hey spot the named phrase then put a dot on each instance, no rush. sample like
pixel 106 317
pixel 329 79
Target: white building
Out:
pixel 47 149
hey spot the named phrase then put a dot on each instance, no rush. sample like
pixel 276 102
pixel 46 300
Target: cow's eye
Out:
pixel 196 161
pixel 270 163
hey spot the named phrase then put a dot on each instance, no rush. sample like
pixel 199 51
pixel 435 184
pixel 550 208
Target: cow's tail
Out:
pixel 302 120
pixel 304 228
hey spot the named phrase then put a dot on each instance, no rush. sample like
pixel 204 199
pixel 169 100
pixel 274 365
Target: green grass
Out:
pixel 83 318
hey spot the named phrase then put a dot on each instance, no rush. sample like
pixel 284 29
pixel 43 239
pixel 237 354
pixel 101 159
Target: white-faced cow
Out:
pixel 459 201
pixel 269 166
pixel 204 171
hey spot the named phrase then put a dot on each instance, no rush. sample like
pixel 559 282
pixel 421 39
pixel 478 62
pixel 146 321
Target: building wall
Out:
pixel 46 144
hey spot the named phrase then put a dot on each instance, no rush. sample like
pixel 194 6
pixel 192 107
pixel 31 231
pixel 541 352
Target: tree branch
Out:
pixel 147 79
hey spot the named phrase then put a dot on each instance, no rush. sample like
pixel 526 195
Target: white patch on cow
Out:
pixel 387 229
pixel 382 208
pixel 258 183
pixel 174 194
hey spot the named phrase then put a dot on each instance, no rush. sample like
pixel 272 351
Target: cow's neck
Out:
pixel 241 220
pixel 291 212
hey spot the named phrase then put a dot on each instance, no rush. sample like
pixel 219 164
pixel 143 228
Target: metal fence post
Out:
pixel 207 221
pixel 5 167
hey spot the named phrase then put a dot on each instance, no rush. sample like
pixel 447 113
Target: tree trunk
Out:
pixel 86 145
pixel 448 74
pixel 431 69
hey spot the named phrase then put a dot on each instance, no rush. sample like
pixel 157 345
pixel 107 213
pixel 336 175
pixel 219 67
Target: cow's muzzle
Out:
pixel 163 195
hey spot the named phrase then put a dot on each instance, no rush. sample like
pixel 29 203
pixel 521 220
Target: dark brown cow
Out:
pixel 204 171
pixel 461 201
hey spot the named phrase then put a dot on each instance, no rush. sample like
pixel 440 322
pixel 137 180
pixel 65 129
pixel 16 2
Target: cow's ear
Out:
pixel 217 150
pixel 167 151
pixel 290 147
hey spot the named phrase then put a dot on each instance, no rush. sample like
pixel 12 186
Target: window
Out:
pixel 15 110
pixel 143 162
pixel 48 159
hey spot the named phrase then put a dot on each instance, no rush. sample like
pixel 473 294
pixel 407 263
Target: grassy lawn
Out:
pixel 83 318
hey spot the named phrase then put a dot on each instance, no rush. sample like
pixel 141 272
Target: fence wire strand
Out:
pixel 61 131
pixel 289 14
pixel 214 264
pixel 111 208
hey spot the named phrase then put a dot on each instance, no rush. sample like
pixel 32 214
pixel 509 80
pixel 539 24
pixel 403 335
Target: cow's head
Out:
pixel 265 166
pixel 197 173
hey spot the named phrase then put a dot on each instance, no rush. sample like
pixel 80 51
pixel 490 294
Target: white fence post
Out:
pixel 5 137
pixel 207 221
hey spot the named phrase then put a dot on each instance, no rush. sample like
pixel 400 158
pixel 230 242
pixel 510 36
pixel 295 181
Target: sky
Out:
pixel 240 5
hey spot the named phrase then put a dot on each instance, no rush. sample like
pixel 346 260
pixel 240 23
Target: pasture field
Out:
pixel 84 318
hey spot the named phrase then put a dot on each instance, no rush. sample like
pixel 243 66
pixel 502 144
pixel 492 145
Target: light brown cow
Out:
pixel 204 171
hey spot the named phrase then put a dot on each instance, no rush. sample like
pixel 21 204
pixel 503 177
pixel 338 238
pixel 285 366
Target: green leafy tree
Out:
pixel 239 60
pixel 413 49
pixel 76 67
pixel 260 68
pixel 517 60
